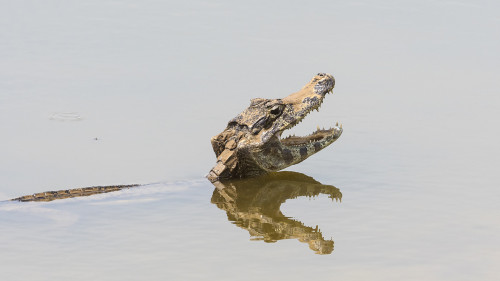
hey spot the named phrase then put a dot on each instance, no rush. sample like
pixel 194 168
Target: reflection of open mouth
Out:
pixel 254 204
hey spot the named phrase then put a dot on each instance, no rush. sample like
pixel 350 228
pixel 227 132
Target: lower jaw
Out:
pixel 309 147
pixel 317 138
pixel 306 146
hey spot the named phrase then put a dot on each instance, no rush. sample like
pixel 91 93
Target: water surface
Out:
pixel 105 92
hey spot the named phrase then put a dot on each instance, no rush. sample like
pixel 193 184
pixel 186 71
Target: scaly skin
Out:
pixel 251 144
pixel 71 193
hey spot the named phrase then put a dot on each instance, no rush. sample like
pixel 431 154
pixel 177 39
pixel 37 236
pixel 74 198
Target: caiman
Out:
pixel 252 142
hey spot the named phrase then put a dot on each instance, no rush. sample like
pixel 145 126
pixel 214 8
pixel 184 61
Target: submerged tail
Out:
pixel 70 193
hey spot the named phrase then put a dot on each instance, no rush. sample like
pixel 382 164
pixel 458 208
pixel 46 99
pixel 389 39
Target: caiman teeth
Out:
pixel 317 107
pixel 319 135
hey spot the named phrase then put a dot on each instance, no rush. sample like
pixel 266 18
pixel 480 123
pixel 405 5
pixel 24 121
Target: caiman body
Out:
pixel 251 144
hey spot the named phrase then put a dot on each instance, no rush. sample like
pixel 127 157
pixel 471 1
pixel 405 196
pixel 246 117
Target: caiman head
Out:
pixel 252 142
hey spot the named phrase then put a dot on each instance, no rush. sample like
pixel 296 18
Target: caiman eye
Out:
pixel 276 110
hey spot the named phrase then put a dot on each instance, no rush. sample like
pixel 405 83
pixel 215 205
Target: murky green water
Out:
pixel 105 92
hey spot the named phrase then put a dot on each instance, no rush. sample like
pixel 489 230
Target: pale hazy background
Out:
pixel 417 90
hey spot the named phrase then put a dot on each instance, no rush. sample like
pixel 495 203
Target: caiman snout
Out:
pixel 325 83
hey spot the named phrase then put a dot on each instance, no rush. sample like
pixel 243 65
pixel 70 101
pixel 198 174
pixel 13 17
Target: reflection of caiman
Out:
pixel 252 143
pixel 254 204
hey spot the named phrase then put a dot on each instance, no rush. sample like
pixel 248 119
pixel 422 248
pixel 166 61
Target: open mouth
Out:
pixel 317 139
pixel 319 136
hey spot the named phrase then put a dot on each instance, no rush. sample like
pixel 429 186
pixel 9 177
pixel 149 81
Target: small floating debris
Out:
pixel 66 116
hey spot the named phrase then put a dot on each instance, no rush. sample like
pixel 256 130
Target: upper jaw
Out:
pixel 299 105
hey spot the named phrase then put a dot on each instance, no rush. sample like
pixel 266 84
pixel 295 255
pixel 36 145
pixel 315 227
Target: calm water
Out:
pixel 107 92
